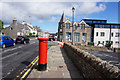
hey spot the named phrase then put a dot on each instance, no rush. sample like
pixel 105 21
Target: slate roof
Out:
pixel 62 18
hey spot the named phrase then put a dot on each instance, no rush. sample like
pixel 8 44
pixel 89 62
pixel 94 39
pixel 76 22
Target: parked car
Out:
pixel 6 41
pixel 108 44
pixel 22 39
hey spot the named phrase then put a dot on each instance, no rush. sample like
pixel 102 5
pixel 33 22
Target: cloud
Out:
pixel 41 11
pixel 52 19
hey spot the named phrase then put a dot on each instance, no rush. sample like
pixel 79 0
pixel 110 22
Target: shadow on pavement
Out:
pixel 74 72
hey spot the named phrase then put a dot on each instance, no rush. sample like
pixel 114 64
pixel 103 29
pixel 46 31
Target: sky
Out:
pixel 46 14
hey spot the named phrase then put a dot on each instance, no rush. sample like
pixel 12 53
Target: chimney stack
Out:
pixel 14 21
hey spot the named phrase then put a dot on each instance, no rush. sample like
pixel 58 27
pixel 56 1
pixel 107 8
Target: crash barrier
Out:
pixel 89 65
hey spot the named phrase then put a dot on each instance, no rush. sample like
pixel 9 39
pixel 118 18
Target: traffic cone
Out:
pixel 59 43
pixel 62 44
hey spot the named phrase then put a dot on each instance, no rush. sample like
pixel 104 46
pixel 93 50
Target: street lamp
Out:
pixel 73 9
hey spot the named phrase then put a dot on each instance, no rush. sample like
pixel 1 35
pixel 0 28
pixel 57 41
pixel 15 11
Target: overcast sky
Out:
pixel 47 14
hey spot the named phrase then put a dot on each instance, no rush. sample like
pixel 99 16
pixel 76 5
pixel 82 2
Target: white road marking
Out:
pixel 9 55
pixel 16 48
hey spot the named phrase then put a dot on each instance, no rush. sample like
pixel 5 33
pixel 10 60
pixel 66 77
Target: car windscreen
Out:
pixel 19 37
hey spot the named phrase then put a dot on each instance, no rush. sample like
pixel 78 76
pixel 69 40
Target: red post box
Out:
pixel 42 64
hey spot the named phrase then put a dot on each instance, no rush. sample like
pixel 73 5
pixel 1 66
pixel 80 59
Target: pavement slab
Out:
pixel 58 66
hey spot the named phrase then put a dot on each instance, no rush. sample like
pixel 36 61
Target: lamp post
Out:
pixel 73 9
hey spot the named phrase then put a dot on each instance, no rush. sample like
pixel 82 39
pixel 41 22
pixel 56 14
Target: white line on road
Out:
pixel 9 55
pixel 16 48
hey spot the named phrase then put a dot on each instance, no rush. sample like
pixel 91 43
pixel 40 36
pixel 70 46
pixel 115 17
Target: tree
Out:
pixel 1 24
pixel 30 34
pixel 33 32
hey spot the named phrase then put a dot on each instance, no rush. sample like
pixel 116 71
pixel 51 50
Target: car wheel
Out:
pixel 13 44
pixel 28 42
pixel 3 46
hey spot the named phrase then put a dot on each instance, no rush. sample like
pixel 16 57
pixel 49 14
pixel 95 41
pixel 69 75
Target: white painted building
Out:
pixel 105 33
pixel 115 37
pixel 32 29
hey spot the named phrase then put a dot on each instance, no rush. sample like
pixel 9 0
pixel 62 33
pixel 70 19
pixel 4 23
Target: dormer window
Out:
pixel 74 27
pixel 11 28
pixel 67 25
pixel 82 26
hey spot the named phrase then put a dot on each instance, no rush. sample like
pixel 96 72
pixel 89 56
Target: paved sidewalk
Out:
pixel 59 66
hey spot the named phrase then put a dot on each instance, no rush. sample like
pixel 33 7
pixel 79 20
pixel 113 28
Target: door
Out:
pixel 11 41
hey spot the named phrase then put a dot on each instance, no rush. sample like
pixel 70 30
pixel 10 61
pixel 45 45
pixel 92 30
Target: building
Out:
pixel 104 32
pixel 39 31
pixel 89 30
pixel 81 31
pixel 16 29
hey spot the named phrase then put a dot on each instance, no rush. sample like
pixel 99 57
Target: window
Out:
pixel 101 26
pixel 82 26
pixel 67 26
pixel 11 28
pixel 74 27
pixel 61 37
pixel 68 36
pixel 10 38
pixel 98 42
pixel 103 42
pixel 84 36
pixel 87 21
pixel 60 26
pixel 96 25
pixel 117 34
pixel 107 26
pixel 112 34
pixel 96 33
pixel 6 38
pixel 94 21
pixel 117 42
pixel 76 37
pixel 102 34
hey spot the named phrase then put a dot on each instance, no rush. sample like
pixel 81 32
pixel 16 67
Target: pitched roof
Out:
pixel 62 18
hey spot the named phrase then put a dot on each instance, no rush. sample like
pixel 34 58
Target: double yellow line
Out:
pixel 30 66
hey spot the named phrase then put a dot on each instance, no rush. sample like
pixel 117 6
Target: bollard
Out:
pixel 42 64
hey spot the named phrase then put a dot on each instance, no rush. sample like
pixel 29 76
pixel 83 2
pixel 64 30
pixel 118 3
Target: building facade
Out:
pixel 89 30
pixel 16 29
pixel 81 31
pixel 104 32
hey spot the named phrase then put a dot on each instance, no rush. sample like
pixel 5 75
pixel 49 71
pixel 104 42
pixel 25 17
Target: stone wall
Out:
pixel 91 66
pixel 93 48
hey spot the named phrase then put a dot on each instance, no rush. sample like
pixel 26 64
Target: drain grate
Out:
pixel 60 66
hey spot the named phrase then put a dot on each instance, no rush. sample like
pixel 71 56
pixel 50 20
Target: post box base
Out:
pixel 42 67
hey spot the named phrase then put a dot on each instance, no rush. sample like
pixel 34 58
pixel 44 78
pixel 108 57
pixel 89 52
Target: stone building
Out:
pixel 16 29
pixel 81 31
